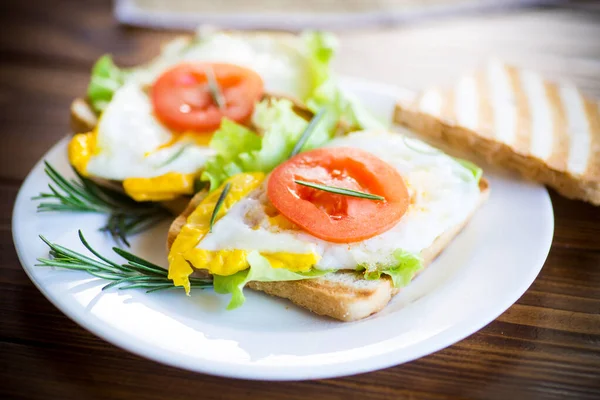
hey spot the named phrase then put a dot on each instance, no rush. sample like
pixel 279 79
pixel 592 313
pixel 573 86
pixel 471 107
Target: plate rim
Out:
pixel 452 335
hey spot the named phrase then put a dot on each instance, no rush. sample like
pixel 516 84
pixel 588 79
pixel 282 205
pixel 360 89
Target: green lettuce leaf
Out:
pixel 282 128
pixel 343 107
pixel 106 79
pixel 260 270
pixel 229 141
pixel 473 169
pixel 241 150
pixel 320 48
pixel 402 272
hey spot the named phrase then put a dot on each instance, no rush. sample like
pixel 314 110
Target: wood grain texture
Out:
pixel 545 346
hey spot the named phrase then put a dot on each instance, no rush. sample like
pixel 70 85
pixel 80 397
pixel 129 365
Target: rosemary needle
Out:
pixel 126 216
pixel 214 88
pixel 307 132
pixel 219 204
pixel 174 157
pixel 342 191
pixel 135 273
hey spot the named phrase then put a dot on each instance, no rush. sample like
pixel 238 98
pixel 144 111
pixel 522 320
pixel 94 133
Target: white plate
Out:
pixel 485 270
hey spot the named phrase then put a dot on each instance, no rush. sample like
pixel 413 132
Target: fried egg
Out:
pixel 276 58
pixel 443 193
pixel 130 144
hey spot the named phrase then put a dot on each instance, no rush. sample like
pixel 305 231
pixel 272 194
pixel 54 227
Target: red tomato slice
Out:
pixel 334 217
pixel 183 102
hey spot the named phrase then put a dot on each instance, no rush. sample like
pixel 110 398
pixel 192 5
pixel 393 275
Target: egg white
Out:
pixel 128 136
pixel 442 195
pixel 277 59
pixel 128 133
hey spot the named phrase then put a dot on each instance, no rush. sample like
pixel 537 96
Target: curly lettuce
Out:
pixel 402 271
pixel 260 271
pixel 405 267
pixel 241 150
pixel 320 48
pixel 230 141
pixel 106 79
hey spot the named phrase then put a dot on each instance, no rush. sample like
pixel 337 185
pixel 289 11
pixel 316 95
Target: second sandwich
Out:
pixel 337 230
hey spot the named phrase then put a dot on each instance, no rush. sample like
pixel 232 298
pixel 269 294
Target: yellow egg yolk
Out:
pixel 199 139
pixel 81 148
pixel 282 222
pixel 160 188
pixel 184 252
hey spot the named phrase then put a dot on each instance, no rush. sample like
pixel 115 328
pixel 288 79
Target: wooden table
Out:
pixel 545 346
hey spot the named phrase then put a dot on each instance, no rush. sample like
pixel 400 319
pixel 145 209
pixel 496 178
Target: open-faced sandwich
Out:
pixel 153 130
pixel 337 230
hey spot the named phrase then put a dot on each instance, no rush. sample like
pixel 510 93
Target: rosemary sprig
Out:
pixel 126 216
pixel 342 191
pixel 135 273
pixel 173 157
pixel 307 132
pixel 214 88
pixel 219 204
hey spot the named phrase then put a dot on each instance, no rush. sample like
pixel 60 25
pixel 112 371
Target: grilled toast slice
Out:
pixel 514 118
pixel 342 295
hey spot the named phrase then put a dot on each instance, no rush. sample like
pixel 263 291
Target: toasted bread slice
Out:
pixel 83 118
pixel 548 132
pixel 342 295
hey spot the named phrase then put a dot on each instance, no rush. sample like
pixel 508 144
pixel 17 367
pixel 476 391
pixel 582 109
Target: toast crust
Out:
pixel 345 295
pixel 83 118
